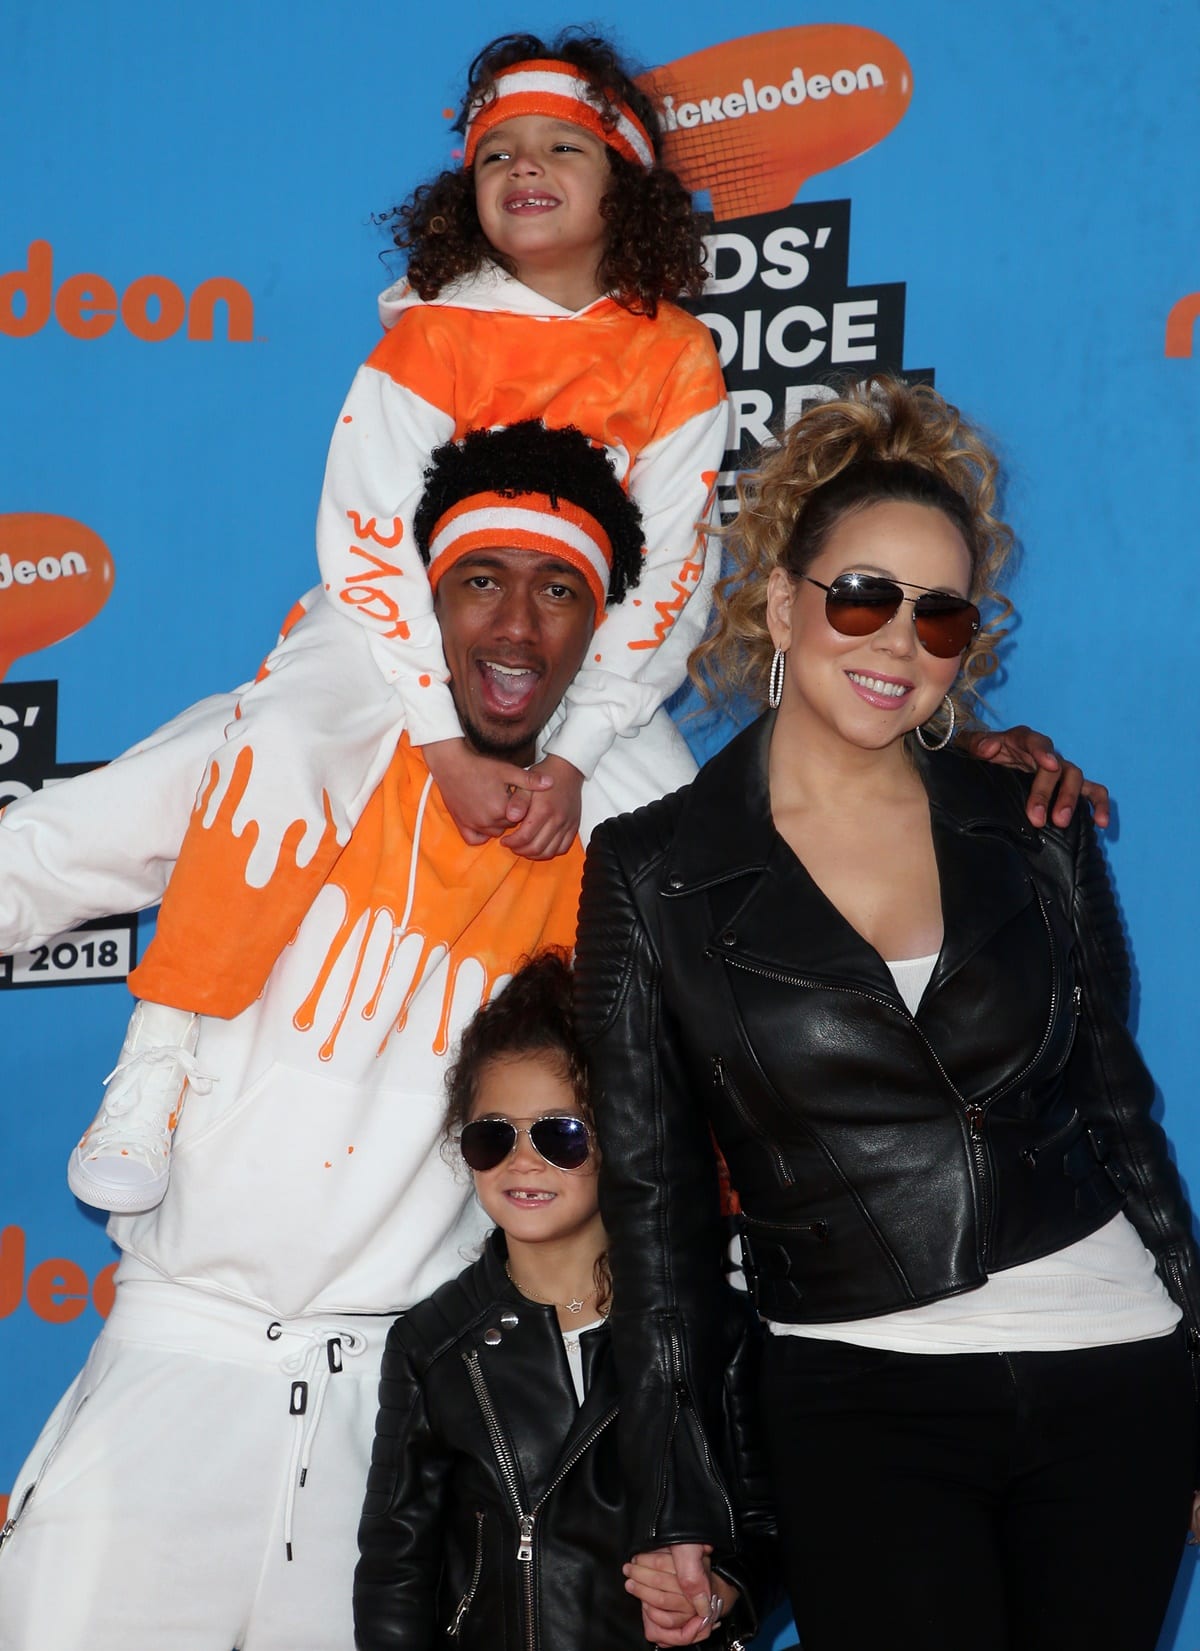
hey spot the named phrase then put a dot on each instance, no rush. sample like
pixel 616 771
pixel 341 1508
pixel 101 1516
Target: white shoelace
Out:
pixel 162 1056
pixel 142 1136
pixel 318 1355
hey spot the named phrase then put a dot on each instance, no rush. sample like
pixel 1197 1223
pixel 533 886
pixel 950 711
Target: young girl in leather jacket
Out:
pixel 900 1009
pixel 494 1514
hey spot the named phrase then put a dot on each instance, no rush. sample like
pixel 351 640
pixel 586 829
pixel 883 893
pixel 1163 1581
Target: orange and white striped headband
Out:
pixel 490 521
pixel 546 86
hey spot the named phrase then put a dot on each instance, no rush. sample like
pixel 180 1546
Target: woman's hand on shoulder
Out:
pixel 1055 780
pixel 681 1599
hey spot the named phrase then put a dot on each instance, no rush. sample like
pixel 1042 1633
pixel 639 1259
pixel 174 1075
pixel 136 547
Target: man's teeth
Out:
pixel 509 670
pixel 876 684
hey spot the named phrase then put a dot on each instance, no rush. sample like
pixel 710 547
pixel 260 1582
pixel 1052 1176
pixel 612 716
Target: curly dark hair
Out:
pixel 655 245
pixel 529 458
pixel 533 1015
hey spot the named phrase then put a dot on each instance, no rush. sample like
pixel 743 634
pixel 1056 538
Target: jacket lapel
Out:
pixel 528 1380
pixel 978 834
pixel 600 1390
pixel 766 911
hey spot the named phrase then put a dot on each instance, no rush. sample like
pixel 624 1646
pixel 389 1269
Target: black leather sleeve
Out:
pixel 400 1532
pixel 753 1566
pixel 658 1191
pixel 1115 1091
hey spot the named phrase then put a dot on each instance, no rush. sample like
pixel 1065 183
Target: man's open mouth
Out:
pixel 507 689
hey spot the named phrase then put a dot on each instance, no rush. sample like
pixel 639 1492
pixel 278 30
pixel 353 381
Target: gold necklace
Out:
pixel 575 1305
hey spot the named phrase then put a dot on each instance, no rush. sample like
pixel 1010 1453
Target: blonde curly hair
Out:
pixel 882 440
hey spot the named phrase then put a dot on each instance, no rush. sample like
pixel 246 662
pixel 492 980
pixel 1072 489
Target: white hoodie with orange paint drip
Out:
pixel 311 1179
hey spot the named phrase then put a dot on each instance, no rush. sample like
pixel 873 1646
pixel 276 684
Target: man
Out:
pixel 199 1486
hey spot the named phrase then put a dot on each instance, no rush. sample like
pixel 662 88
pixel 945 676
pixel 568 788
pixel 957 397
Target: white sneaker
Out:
pixel 123 1162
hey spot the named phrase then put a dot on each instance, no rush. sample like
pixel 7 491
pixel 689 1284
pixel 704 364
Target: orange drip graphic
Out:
pixel 214 956
pixel 483 906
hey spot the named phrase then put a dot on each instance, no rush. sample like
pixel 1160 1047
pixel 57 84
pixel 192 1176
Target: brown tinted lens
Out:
pixel 945 624
pixel 857 604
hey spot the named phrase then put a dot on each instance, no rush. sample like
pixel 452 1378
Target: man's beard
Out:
pixel 519 748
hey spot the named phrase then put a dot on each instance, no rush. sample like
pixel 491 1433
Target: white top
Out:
pixel 1098 1292
pixel 911 975
pixel 575 1353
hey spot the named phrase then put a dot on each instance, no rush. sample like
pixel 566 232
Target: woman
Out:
pixel 901 1012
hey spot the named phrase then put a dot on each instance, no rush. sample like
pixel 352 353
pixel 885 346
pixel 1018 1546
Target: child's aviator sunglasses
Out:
pixel 858 604
pixel 564 1141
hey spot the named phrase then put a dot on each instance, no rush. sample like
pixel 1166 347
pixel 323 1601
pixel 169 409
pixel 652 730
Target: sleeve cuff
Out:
pixel 429 712
pixel 582 740
pixel 599 706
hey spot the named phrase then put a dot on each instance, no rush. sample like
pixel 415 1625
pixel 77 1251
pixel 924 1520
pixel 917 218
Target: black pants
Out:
pixel 980 1502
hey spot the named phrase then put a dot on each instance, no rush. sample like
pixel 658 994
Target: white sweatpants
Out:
pixel 201 1443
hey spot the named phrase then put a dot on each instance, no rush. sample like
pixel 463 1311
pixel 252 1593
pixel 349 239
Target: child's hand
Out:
pixel 484 795
pixel 669 1617
pixel 551 823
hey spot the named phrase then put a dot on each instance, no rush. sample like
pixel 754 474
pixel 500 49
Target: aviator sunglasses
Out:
pixel 564 1141
pixel 858 604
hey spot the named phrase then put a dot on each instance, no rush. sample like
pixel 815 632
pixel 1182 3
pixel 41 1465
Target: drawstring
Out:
pixel 410 892
pixel 313 1364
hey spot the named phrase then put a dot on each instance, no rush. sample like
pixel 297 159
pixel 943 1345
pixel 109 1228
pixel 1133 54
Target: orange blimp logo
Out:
pixel 751 120
pixel 55 576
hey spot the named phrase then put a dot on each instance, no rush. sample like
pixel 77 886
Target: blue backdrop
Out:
pixel 1026 230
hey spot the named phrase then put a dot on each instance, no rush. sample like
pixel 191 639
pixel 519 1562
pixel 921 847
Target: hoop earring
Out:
pixel 938 745
pixel 775 681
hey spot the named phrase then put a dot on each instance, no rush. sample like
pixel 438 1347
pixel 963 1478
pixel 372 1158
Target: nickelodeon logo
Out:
pixel 55 576
pixel 48 568
pixel 743 121
pixel 753 100
pixel 152 308
pixel 56 1290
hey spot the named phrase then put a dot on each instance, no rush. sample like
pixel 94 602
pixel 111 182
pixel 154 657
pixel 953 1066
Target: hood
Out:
pixel 489 288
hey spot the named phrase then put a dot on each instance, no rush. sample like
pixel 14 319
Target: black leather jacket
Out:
pixel 494 1516
pixel 881 1159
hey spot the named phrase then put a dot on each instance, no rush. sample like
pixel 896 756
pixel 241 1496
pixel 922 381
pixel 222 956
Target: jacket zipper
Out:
pixel 1179 1295
pixel 526 1521
pixel 1014 1083
pixel 726 1084
pixel 677 1354
pixel 468 1599
pixel 814 1229
pixel 975 1112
